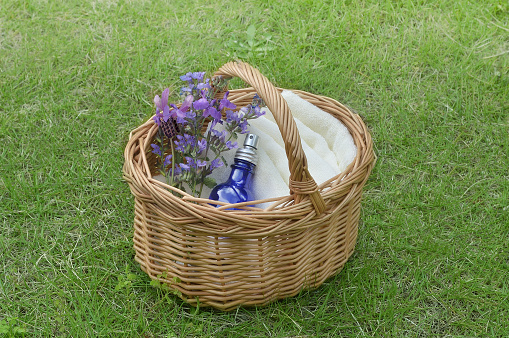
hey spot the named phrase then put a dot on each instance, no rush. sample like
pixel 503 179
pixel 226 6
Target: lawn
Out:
pixel 429 78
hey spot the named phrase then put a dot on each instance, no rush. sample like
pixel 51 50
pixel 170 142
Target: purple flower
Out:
pixel 184 167
pixel 162 101
pixel 180 113
pixel 188 77
pixel 180 146
pixel 258 111
pixel 216 164
pixel 198 75
pixel 243 127
pixel 182 142
pixel 191 114
pixel 257 100
pixel 211 111
pixel 202 103
pixel 251 112
pixel 176 171
pixel 166 114
pixel 203 92
pixel 167 160
pixel 157 118
pixel 232 116
pixel 162 108
pixel 191 163
pixel 219 134
pixel 189 139
pixel 203 85
pixel 156 149
pixel 231 145
pixel 187 103
pixel 202 144
pixel 225 103
pixel 181 116
pixel 200 163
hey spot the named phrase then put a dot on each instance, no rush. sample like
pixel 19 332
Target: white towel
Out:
pixel 336 135
pixel 328 146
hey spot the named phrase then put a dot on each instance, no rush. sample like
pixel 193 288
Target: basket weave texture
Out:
pixel 228 258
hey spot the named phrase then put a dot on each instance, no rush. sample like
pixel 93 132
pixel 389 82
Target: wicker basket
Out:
pixel 225 258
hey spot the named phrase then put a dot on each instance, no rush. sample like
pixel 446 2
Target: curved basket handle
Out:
pixel 301 183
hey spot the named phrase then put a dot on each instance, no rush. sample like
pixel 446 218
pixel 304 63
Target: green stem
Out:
pixel 172 163
pixel 161 156
pixel 201 185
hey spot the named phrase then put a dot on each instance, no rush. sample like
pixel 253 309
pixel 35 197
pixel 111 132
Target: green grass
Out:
pixel 430 79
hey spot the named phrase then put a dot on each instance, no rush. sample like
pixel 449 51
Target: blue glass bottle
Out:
pixel 237 188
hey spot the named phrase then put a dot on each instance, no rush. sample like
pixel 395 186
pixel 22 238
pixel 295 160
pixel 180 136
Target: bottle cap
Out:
pixel 251 141
pixel 248 152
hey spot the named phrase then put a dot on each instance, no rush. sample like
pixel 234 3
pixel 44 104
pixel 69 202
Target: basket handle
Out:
pixel 301 182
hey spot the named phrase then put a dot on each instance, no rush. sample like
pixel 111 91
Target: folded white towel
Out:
pixel 328 146
pixel 336 135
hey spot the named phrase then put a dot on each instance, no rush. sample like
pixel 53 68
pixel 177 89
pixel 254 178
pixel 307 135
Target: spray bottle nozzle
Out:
pixel 248 152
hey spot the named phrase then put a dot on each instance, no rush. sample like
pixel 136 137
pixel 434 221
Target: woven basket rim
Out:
pixel 263 216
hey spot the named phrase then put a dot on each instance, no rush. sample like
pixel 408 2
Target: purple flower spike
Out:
pixel 202 144
pixel 162 101
pixel 219 134
pixel 225 103
pixel 157 117
pixel 162 108
pixel 211 111
pixel 166 114
pixel 167 160
pixel 187 103
pixel 187 77
pixel 231 145
pixel 203 85
pixel 258 112
pixel 243 127
pixel 232 116
pixel 182 142
pixel 189 139
pixel 202 103
pixel 181 146
pixel 156 149
pixel 181 117
pixel 198 75
pixel 216 164
pixel 200 163
pixel 177 171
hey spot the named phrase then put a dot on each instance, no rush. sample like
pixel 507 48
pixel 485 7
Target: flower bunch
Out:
pixel 190 141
